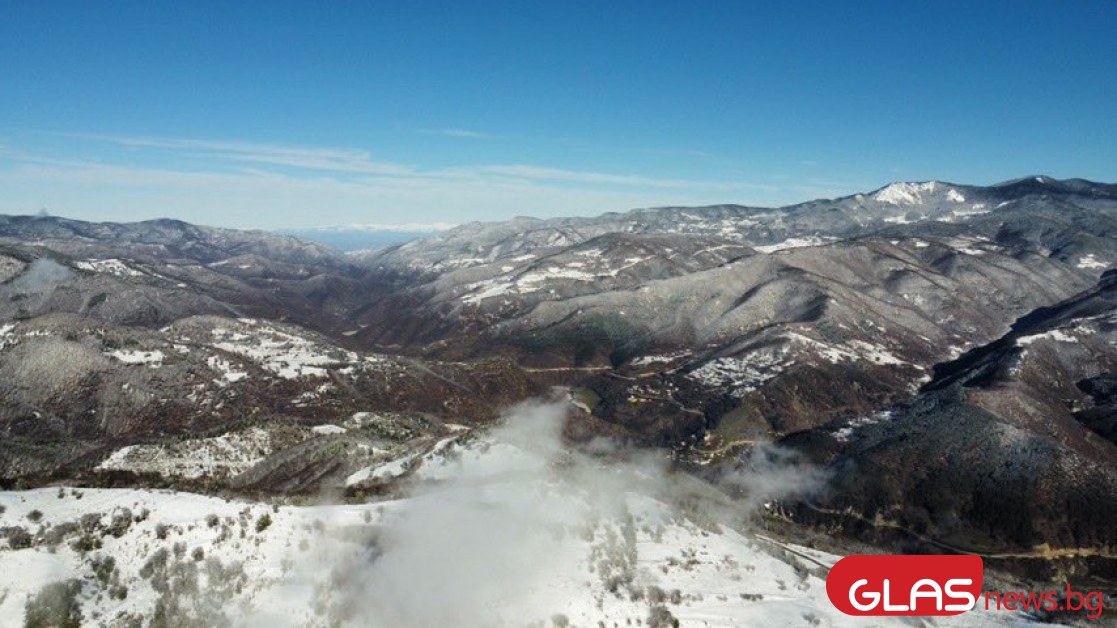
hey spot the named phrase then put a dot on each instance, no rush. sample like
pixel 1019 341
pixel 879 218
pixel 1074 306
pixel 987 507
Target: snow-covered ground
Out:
pixel 283 350
pixel 794 243
pixel 846 432
pixel 1055 334
pixel 1091 261
pixel 509 529
pixel 593 268
pixel 916 193
pixel 153 358
pixel 970 245
pixel 222 456
pixel 6 334
pixel 110 266
pixel 229 374
pixel 743 374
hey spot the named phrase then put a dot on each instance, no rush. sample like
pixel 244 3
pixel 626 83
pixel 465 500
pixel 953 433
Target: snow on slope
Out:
pixel 915 193
pixel 6 334
pixel 110 266
pixel 154 358
pixel 794 243
pixel 283 350
pixel 224 455
pixel 513 530
pixel 536 279
pixel 743 374
pixel 1091 261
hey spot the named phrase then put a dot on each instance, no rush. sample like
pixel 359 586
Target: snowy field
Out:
pixel 511 529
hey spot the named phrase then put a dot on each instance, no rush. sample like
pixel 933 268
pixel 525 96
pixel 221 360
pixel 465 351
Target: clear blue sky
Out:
pixel 280 114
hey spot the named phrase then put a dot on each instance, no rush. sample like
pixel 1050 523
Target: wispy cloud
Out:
pixel 326 159
pixel 536 173
pixel 463 133
pixel 306 186
pixel 360 162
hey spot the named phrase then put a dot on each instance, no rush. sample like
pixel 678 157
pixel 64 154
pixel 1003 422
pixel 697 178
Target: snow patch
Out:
pixel 916 193
pixel 6 335
pixel 843 435
pixel 742 375
pixel 536 280
pixel 852 350
pixel 110 266
pixel 794 243
pixel 1057 335
pixel 1091 261
pixel 968 245
pixel 905 193
pixel 904 220
pixel 225 455
pixel 648 360
pixel 154 358
pixel 328 429
pixel 229 375
pixel 282 352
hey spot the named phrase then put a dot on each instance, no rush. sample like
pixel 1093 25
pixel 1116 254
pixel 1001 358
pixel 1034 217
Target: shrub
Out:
pixel 103 568
pixel 55 606
pixel 120 523
pixel 660 617
pixel 91 521
pixel 157 562
pixel 18 538
pixel 86 543
pixel 35 516
pixel 263 522
pixel 58 533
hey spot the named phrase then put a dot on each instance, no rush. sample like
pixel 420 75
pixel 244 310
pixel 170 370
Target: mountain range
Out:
pixel 939 360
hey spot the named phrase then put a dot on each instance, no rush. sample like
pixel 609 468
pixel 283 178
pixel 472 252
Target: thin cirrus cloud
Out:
pixel 244 184
pixel 557 174
pixel 355 161
pixel 360 162
pixel 328 159
pixel 463 133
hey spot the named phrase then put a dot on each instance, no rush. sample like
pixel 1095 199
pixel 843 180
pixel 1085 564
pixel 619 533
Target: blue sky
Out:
pixel 281 114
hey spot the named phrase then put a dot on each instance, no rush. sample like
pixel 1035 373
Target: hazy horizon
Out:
pixel 338 235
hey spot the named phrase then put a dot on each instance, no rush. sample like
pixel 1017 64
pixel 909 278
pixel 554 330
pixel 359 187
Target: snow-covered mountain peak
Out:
pixel 902 193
